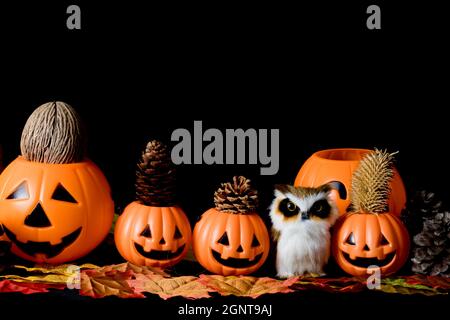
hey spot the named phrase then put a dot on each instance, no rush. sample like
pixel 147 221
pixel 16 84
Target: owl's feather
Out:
pixel 275 234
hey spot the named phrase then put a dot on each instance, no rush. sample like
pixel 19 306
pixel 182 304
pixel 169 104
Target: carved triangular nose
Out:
pixel 366 248
pixel 162 241
pixel 37 218
pixel 239 249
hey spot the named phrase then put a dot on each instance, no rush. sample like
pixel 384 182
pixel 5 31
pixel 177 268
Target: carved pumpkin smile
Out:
pixel 367 262
pixel 236 262
pixel 32 248
pixel 158 254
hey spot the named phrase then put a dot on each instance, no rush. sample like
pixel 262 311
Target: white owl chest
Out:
pixel 305 238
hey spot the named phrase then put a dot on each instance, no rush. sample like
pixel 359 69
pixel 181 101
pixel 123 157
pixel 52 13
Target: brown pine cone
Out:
pixel 420 206
pixel 236 197
pixel 431 243
pixel 155 176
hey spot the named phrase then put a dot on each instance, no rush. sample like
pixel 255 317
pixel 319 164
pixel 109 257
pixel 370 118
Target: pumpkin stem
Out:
pixel 155 176
pixel 371 182
pixel 236 197
pixel 53 134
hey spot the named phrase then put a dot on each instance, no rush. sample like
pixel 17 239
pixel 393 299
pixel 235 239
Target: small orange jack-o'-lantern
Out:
pixel 232 239
pixel 54 206
pixel 153 231
pixel 338 165
pixel 370 236
pixel 160 235
pixel 362 240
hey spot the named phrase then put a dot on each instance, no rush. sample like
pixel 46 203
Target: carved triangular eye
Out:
pixel 178 234
pixel 255 242
pixel 384 241
pixel 61 194
pixel 224 240
pixel 146 232
pixel 351 239
pixel 20 193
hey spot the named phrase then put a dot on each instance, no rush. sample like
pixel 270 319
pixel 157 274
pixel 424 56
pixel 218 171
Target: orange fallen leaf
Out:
pixel 185 286
pixel 27 288
pixel 246 286
pixel 343 284
pixel 126 266
pixel 99 284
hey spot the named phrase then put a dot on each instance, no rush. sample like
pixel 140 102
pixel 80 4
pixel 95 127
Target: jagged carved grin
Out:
pixel 32 248
pixel 366 262
pixel 158 254
pixel 236 262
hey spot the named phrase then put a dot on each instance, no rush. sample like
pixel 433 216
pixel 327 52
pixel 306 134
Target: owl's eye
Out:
pixel 321 209
pixel 288 208
pixel 291 206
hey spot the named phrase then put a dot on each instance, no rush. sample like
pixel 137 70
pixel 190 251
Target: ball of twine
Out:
pixel 53 134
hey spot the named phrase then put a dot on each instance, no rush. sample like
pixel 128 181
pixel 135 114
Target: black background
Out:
pixel 314 71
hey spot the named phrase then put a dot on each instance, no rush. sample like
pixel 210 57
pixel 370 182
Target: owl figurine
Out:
pixel 301 220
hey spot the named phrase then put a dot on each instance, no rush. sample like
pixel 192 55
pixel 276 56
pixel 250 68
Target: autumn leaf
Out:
pixel 48 278
pixel 126 266
pixel 59 274
pixel 430 281
pixel 343 284
pixel 185 286
pixel 56 269
pixel 100 283
pixel 388 288
pixel 246 286
pixel 400 285
pixel 27 288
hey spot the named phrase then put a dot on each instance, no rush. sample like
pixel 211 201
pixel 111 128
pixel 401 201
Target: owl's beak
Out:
pixel 305 216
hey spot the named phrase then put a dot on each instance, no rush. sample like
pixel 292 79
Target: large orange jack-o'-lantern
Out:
pixel 153 231
pixel 338 165
pixel 54 212
pixel 54 206
pixel 370 236
pixel 232 239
